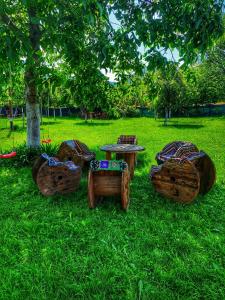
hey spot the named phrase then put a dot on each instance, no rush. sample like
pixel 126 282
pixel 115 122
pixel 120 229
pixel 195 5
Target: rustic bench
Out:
pixel 108 178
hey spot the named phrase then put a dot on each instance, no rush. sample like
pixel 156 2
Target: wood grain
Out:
pixel 180 182
pixel 57 179
pixel 108 183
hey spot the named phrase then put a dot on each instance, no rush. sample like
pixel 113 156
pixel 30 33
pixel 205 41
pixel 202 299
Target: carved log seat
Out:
pixel 53 176
pixel 75 151
pixel 108 178
pixel 185 175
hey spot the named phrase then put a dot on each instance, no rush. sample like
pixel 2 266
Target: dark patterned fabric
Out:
pixel 175 150
pixel 192 155
pixel 185 150
pixel 127 139
pixel 54 162
pixel 108 165
pixel 154 170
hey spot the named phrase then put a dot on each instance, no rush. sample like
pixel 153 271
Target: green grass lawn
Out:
pixel 56 248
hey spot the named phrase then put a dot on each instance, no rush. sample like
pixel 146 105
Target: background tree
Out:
pixel 89 89
pixel 69 28
pixel 210 74
pixel 169 90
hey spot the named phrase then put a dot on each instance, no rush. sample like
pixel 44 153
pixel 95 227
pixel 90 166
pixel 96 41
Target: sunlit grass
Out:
pixel 56 248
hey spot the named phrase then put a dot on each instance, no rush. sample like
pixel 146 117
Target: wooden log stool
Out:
pixel 76 151
pixel 175 180
pixel 185 175
pixel 108 178
pixel 55 177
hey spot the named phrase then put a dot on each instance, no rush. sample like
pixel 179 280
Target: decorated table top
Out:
pixel 122 148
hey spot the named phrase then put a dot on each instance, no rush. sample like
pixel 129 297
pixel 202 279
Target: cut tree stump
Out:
pixel 53 180
pixel 53 176
pixel 183 177
pixel 177 181
pixel 183 172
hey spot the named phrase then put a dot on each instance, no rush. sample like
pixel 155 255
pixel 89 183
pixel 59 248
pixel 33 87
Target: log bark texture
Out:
pixel 32 64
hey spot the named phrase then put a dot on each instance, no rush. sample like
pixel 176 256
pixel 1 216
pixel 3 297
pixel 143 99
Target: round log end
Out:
pixel 57 179
pixel 177 181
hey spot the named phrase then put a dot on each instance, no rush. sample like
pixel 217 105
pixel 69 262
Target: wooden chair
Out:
pixel 126 139
pixel 184 176
pixel 55 177
pixel 108 178
pixel 76 151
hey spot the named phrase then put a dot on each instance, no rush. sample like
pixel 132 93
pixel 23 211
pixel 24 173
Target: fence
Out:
pixel 198 111
pixel 207 110
pixel 58 112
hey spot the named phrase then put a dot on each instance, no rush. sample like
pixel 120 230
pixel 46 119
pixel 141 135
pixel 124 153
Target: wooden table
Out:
pixel 127 149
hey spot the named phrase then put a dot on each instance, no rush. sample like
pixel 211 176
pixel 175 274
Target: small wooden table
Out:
pixel 127 149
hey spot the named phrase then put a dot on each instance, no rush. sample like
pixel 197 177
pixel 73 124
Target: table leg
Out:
pixel 108 155
pixel 130 160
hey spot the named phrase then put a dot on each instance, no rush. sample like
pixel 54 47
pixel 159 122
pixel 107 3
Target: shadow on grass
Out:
pixel 91 123
pixel 143 160
pixel 183 126
pixel 19 129
pixel 50 123
pixel 4 128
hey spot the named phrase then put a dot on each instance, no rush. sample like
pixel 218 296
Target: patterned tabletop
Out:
pixel 122 148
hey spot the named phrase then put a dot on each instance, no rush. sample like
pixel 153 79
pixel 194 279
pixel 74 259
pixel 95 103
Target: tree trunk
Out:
pixel 23 117
pixel 32 111
pixel 11 107
pixel 33 124
pixel 41 116
pixel 166 117
pixel 11 124
pixel 32 104
pixel 86 116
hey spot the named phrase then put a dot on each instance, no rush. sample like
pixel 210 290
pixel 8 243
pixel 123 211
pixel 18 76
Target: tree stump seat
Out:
pixel 55 177
pixel 75 151
pixel 108 178
pixel 185 175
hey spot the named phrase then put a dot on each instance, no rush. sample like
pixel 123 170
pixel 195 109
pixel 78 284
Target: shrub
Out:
pixel 26 155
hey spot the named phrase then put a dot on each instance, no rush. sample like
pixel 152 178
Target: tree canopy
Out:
pixel 81 32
